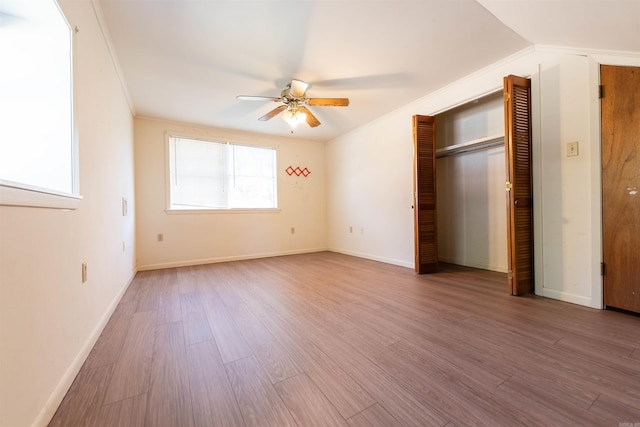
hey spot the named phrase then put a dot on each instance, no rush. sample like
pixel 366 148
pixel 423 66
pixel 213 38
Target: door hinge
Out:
pixel 508 185
pixel 602 268
pixel 600 91
pixel 507 96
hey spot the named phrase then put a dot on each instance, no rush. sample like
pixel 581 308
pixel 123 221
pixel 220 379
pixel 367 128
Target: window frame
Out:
pixel 207 138
pixel 25 195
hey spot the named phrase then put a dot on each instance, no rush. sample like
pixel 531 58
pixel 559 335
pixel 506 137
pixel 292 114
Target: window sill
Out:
pixel 16 195
pixel 221 211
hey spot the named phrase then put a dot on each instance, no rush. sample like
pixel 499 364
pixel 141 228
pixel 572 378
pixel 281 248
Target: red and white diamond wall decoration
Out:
pixel 297 171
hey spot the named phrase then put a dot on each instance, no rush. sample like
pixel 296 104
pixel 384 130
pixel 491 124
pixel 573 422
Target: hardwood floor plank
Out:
pixel 580 374
pixel 408 407
pixel 259 402
pixel 82 403
pixel 214 403
pixel 194 320
pixel 544 409
pixel 340 388
pixel 124 413
pixel 230 341
pixel 265 347
pixel 267 350
pixel 187 278
pixel 323 336
pixel 109 345
pixel 169 309
pixel 149 289
pixel 448 361
pixel 458 397
pixel 373 416
pixel 614 411
pixel 595 348
pixel 169 402
pixel 131 372
pixel 307 404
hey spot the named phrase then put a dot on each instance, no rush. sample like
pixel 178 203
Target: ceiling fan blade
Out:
pixel 298 88
pixel 271 114
pixel 311 119
pixel 257 98
pixel 329 102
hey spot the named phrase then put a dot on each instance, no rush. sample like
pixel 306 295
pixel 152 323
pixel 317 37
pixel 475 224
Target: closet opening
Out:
pixel 470 184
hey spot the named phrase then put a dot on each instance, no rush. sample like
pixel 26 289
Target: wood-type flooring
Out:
pixel 325 339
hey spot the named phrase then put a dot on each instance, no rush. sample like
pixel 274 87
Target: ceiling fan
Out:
pixel 293 109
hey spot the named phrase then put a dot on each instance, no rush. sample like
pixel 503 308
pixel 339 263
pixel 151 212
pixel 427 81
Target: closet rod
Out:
pixel 475 145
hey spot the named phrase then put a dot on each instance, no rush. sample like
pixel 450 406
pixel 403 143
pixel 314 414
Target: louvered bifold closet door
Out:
pixel 517 96
pixel 424 140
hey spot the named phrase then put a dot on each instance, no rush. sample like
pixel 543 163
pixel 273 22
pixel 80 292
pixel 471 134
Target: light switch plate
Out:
pixel 572 148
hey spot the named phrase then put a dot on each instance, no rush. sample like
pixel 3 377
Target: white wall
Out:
pixel 48 318
pixel 369 178
pixel 369 191
pixel 203 237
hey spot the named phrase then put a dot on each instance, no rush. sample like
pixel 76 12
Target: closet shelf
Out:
pixel 473 145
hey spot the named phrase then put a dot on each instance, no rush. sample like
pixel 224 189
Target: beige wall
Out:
pixel 203 237
pixel 48 318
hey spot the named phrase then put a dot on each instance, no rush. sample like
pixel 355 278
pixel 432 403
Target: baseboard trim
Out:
pixel 398 262
pixel 186 263
pixel 569 297
pixel 59 392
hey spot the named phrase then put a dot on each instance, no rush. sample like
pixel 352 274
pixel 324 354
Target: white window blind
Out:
pixel 217 175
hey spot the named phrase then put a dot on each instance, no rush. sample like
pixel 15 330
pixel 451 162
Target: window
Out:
pixel 37 152
pixel 218 175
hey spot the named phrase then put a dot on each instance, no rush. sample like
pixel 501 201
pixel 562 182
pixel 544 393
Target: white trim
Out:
pixel 106 35
pixel 569 297
pixel 386 260
pixel 55 399
pixel 536 170
pixel 478 143
pixel 597 284
pixel 186 263
pixel 197 211
pixel 16 194
pixel 567 50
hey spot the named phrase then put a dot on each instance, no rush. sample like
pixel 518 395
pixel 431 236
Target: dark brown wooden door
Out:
pixel 425 230
pixel 517 118
pixel 620 110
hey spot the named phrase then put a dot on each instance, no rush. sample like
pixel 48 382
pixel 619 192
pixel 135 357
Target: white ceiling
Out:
pixel 187 60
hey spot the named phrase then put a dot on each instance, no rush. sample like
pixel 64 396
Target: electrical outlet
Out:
pixel 84 272
pixel 572 149
pixel 160 237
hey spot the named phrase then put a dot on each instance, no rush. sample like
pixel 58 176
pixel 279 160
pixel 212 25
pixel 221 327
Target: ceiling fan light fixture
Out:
pixel 293 108
pixel 293 117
